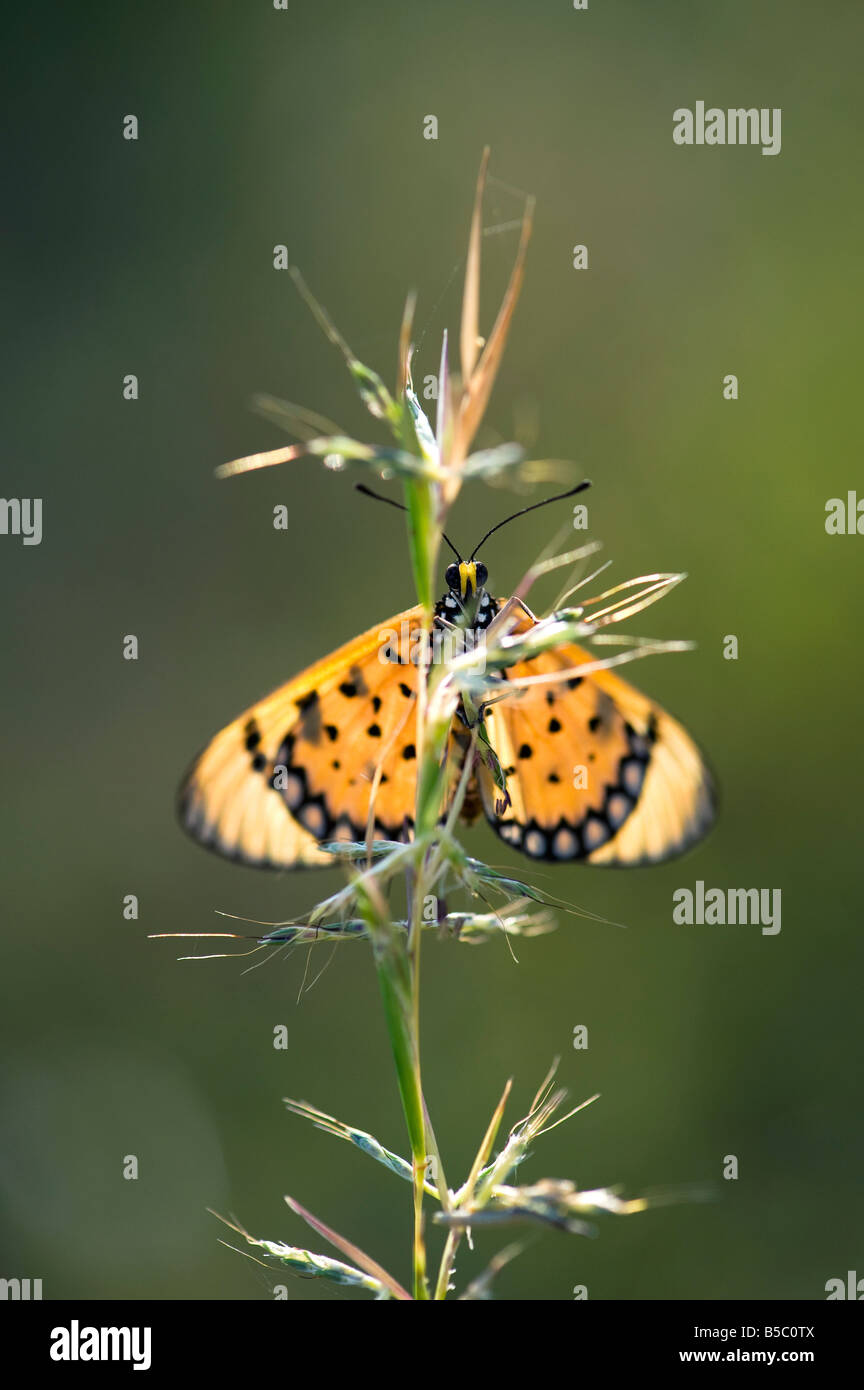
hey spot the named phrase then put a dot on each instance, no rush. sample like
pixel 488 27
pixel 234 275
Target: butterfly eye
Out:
pixel 482 575
pixel 451 576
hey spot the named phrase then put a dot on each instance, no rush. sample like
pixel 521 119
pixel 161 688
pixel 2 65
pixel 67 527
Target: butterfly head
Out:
pixel 466 603
pixel 466 579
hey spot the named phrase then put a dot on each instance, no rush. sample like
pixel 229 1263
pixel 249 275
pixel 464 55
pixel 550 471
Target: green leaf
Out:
pixel 367 1143
pixel 422 428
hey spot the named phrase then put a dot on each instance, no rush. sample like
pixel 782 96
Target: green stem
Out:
pixel 446 1267
pixel 395 978
pixel 399 964
pixel 424 540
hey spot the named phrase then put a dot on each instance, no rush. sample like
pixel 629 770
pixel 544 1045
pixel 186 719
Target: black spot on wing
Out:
pixel 310 716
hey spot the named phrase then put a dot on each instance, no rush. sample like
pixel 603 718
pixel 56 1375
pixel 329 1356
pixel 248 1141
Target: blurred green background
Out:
pixel 304 127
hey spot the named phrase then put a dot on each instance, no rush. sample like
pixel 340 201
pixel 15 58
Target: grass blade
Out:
pixel 360 1258
pixel 469 339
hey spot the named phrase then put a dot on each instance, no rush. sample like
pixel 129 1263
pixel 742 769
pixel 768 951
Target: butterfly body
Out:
pixel 594 771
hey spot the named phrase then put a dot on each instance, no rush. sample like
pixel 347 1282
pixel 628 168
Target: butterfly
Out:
pixel 595 772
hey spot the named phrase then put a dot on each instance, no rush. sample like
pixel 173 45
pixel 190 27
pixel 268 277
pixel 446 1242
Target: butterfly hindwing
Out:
pixel 596 772
pixel 300 766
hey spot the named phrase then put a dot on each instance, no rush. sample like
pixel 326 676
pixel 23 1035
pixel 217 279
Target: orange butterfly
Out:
pixel 595 771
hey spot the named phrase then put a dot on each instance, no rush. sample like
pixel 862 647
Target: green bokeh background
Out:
pixel 260 127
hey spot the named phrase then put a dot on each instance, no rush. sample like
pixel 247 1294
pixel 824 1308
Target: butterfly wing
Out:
pixel 302 765
pixel 596 772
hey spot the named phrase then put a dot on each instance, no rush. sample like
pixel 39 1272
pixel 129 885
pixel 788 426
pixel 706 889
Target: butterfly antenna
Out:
pixel 400 506
pixel 559 497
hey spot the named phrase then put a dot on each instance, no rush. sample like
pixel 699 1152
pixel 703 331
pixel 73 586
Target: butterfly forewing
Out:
pixel 301 765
